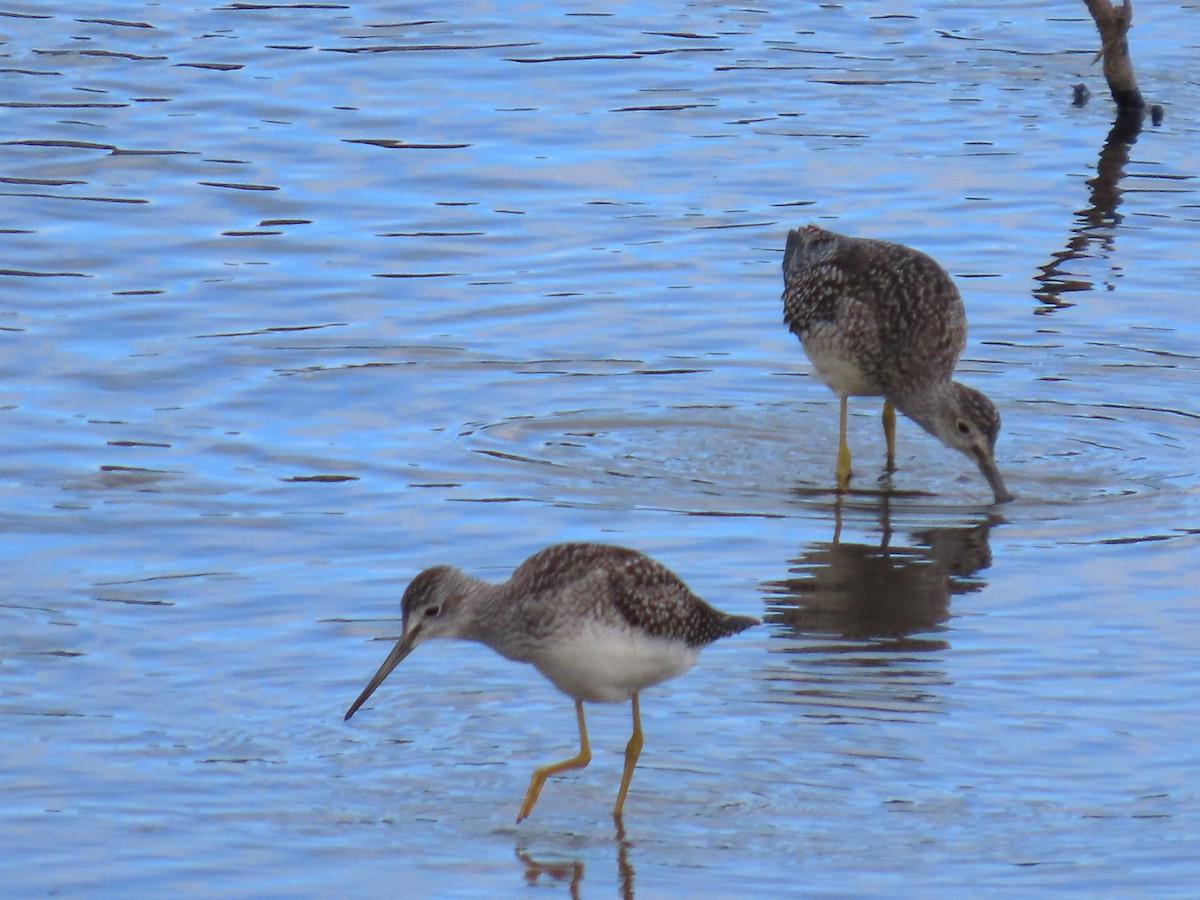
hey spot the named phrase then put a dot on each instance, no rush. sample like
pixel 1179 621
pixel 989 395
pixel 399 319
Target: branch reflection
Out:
pixel 1094 232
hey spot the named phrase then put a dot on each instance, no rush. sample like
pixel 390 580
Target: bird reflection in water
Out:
pixel 568 870
pixel 866 620
pixel 571 870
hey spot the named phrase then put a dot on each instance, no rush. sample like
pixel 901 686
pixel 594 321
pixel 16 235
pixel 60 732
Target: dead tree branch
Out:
pixel 1113 23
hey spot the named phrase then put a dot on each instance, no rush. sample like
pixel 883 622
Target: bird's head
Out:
pixel 970 425
pixel 432 606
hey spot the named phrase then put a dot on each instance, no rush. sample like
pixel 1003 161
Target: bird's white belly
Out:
pixel 842 375
pixel 609 667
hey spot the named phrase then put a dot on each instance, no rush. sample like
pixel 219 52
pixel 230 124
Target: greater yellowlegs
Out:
pixel 601 622
pixel 882 319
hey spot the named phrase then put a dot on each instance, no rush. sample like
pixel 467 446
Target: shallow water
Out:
pixel 297 300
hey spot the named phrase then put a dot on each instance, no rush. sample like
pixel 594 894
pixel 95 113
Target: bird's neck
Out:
pixel 933 409
pixel 482 609
pixel 497 619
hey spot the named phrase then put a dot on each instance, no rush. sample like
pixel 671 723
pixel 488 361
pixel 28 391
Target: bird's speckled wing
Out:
pixel 653 598
pixel 872 297
pixel 602 582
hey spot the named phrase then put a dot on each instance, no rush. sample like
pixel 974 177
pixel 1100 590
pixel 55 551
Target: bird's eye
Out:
pixel 432 612
pixel 963 427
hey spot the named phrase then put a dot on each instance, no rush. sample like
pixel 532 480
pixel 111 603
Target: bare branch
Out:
pixel 1113 23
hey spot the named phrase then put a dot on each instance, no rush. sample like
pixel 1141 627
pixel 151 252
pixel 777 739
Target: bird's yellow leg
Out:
pixel 889 432
pixel 632 751
pixel 843 459
pixel 540 774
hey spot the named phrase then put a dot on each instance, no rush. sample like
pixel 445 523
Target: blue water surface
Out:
pixel 299 299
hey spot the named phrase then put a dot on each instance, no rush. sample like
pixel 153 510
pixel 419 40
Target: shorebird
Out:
pixel 601 622
pixel 882 319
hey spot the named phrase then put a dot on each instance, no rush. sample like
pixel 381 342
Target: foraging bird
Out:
pixel 601 622
pixel 882 319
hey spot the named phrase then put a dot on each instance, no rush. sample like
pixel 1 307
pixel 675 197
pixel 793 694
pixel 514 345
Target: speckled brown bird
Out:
pixel 601 622
pixel 882 319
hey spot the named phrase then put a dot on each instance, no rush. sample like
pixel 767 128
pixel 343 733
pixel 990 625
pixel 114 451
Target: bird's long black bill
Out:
pixel 403 647
pixel 992 473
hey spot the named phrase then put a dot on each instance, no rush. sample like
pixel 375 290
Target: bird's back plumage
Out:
pixel 581 582
pixel 861 307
